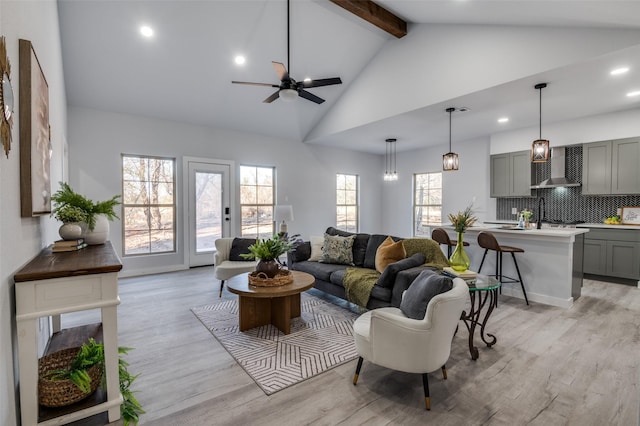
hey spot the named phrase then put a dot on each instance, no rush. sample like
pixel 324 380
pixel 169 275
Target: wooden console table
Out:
pixel 56 283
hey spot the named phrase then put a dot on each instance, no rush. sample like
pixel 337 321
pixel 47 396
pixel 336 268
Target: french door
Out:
pixel 208 207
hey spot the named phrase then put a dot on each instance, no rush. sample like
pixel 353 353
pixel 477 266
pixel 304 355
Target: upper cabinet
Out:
pixel 511 174
pixel 611 167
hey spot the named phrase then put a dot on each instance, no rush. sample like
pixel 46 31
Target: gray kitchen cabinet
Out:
pixel 612 252
pixel 595 257
pixel 611 167
pixel 511 174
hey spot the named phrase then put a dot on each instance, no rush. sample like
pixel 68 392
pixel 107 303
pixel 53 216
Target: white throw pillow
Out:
pixel 316 248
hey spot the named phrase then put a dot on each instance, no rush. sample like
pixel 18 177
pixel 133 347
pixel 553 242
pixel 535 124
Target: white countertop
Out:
pixel 546 232
pixel 604 225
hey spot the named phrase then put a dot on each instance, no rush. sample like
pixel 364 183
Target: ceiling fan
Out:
pixel 289 88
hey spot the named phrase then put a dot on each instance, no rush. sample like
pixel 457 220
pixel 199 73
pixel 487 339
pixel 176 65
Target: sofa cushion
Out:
pixel 321 271
pixel 372 246
pixel 388 277
pixel 301 252
pixel 359 245
pixel 337 249
pixel 337 277
pixel 389 252
pixel 381 293
pixel 316 248
pixel 240 246
pixel 427 285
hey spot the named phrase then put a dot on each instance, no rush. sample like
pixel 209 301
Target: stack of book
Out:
pixel 68 245
pixel 465 275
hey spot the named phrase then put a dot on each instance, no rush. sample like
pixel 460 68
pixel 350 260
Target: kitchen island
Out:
pixel 551 265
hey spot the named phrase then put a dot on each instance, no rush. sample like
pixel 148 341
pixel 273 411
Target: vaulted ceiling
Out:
pixel 484 55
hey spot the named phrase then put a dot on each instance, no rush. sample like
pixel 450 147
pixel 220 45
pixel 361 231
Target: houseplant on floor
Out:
pixel 98 214
pixel 79 372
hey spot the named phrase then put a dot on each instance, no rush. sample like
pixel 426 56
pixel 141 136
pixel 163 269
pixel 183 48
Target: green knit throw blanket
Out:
pixel 431 250
pixel 358 283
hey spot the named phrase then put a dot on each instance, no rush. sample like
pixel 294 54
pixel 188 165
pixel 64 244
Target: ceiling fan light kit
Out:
pixel 450 159
pixel 540 147
pixel 290 89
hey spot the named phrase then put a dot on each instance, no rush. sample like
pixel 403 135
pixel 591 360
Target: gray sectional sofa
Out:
pixel 394 280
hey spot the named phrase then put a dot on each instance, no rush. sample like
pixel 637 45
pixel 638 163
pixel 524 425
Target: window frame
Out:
pixel 173 206
pixel 415 205
pixel 272 205
pixel 346 205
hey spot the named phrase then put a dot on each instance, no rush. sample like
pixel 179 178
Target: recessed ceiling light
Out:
pixel 634 93
pixel 240 60
pixel 503 119
pixel 307 80
pixel 146 31
pixel 619 71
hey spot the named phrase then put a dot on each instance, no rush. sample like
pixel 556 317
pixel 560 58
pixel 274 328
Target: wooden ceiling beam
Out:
pixel 375 14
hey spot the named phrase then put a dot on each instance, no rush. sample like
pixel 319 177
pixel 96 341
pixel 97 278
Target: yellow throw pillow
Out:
pixel 389 252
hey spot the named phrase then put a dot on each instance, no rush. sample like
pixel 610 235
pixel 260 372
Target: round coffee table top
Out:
pixel 240 285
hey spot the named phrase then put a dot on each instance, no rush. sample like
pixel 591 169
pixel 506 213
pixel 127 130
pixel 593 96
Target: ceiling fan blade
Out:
pixel 310 96
pixel 321 82
pixel 255 84
pixel 281 70
pixel 272 98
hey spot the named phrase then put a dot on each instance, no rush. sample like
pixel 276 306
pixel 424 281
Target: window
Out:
pixel 427 202
pixel 148 205
pixel 256 201
pixel 347 202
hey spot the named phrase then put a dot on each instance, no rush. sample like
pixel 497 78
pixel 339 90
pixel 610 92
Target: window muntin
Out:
pixel 347 202
pixel 257 188
pixel 148 205
pixel 427 202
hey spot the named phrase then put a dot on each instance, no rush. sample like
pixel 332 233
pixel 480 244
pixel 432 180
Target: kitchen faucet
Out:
pixel 541 208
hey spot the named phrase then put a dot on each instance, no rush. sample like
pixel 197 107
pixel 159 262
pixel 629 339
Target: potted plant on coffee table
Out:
pixel 268 251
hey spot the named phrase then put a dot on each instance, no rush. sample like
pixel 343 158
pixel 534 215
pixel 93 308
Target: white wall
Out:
pixel 596 128
pixel 305 173
pixel 22 238
pixel 459 188
pixel 435 63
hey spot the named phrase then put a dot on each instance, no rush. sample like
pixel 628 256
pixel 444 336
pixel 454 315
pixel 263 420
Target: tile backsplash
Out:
pixel 567 204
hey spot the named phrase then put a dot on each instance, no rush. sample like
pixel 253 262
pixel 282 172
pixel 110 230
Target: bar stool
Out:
pixel 440 236
pixel 488 241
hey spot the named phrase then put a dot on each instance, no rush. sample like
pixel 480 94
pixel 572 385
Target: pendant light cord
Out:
pixel 540 113
pixel 288 39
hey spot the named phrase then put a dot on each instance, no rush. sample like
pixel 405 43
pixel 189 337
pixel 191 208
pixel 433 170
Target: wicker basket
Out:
pixel 58 393
pixel 260 279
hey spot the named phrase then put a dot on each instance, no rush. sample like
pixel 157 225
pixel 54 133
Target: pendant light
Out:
pixel 540 147
pixel 390 173
pixel 450 159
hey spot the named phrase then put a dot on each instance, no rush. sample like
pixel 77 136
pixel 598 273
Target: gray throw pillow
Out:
pixel 240 246
pixel 388 277
pixel 426 286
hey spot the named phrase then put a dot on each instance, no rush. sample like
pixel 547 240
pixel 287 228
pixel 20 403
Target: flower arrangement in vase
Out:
pixel 459 260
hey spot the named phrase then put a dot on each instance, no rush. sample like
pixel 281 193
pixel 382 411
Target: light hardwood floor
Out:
pixel 550 366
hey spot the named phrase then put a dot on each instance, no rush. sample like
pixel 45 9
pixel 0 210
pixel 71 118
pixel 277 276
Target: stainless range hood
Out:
pixel 558 178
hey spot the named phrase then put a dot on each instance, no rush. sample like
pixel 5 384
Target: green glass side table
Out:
pixel 483 291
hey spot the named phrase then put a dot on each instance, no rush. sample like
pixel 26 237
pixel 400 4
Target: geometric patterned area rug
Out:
pixel 321 338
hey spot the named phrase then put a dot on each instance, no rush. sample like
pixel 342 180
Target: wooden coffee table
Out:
pixel 269 305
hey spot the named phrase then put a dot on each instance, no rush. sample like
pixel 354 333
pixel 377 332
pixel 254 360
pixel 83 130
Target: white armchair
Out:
pixel 388 338
pixel 225 268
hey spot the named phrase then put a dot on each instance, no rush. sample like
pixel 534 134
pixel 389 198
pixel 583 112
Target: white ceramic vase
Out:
pixel 70 231
pixel 100 232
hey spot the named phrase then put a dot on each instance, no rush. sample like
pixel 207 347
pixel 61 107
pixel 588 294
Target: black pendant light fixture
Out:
pixel 540 147
pixel 390 173
pixel 450 159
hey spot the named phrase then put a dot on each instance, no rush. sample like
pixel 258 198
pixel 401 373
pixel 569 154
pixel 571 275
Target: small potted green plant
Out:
pixel 268 251
pixel 81 373
pixel 71 217
pixel 97 214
